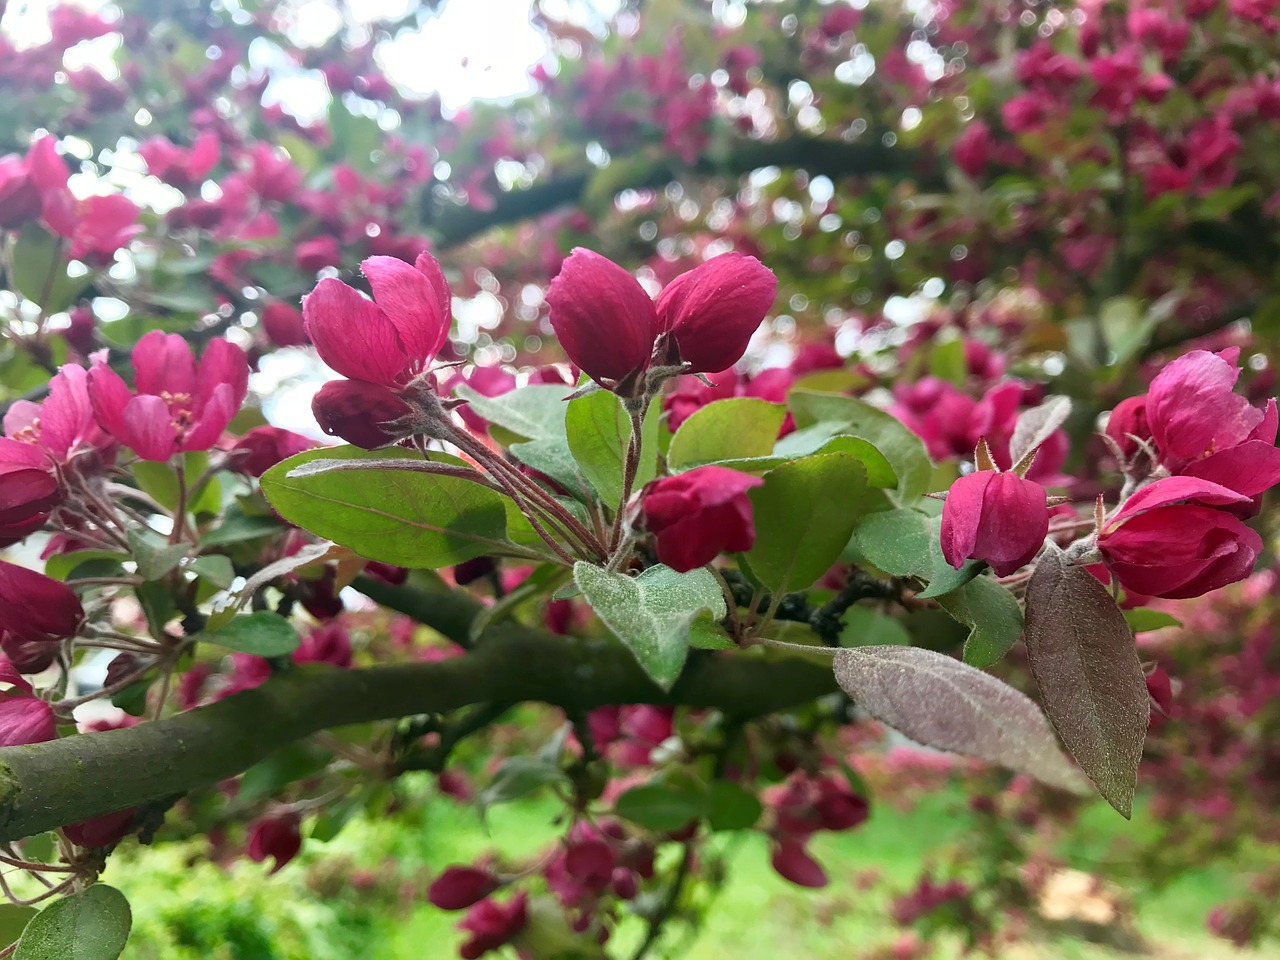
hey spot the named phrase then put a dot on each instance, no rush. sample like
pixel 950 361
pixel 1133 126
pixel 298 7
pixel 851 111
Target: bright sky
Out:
pixel 474 49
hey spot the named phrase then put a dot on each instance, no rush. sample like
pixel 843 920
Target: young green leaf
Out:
pixel 90 925
pixel 264 634
pixel 662 806
pixel 857 418
pixel 733 429
pixel 907 543
pixel 993 615
pixel 599 433
pixel 651 613
pixel 804 515
pixel 397 516
pixel 1085 662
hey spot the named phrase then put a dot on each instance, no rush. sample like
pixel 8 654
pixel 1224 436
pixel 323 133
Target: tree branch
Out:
pixel 46 785
pixel 833 158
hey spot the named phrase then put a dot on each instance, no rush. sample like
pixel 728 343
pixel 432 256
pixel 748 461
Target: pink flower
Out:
pixel 34 607
pixel 973 148
pixel 177 407
pixel 19 195
pixel 283 325
pixel 319 252
pixel 1192 409
pixel 1025 112
pixel 328 643
pixel 997 517
pixel 458 888
pixel 793 862
pixel 276 836
pixel 24 717
pixel 263 447
pixel 492 925
pixel 1168 540
pixel 182 168
pixel 388 340
pixel 695 516
pixel 610 327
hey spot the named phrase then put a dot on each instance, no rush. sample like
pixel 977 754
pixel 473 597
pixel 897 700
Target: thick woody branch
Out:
pixel 833 158
pixel 64 781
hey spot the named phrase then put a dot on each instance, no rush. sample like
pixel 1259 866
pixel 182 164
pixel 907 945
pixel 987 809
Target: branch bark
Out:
pixel 47 785
pixel 833 158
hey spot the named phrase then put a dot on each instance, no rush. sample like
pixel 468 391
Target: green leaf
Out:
pixel 215 569
pixel 849 415
pixel 264 634
pixel 818 439
pixel 62 565
pixel 907 543
pixel 518 777
pixel 237 527
pixel 161 482
pixel 91 925
pixel 1143 620
pixel 1085 662
pixel 731 806
pixel 289 764
pixel 153 555
pixel 133 698
pixel 864 627
pixel 651 613
pixel 598 430
pixel 1126 326
pixel 533 412
pixel 804 515
pixel 13 919
pixel 946 362
pixel 734 429
pixel 157 605
pixel 663 806
pixel 396 516
pixel 39 271
pixel 706 633
pixel 993 615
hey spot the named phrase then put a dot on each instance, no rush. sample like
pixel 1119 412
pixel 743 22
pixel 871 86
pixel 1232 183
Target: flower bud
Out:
pixel 792 862
pixel 34 607
pixel 492 925
pixel 1168 540
pixel 263 447
pixel 276 836
pixel 1127 421
pixel 28 656
pixel 697 515
pixel 458 888
pixel 603 318
pixel 283 324
pixel 712 310
pixel 24 717
pixel 101 831
pixel 997 517
pixel 359 412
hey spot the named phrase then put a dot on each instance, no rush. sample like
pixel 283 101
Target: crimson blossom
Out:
pixel 178 406
pixel 995 516
pixel 698 515
pixel 1177 538
pixel 381 346
pixel 612 329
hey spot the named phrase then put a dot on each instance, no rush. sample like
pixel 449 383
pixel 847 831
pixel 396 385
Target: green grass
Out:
pixel 311 911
